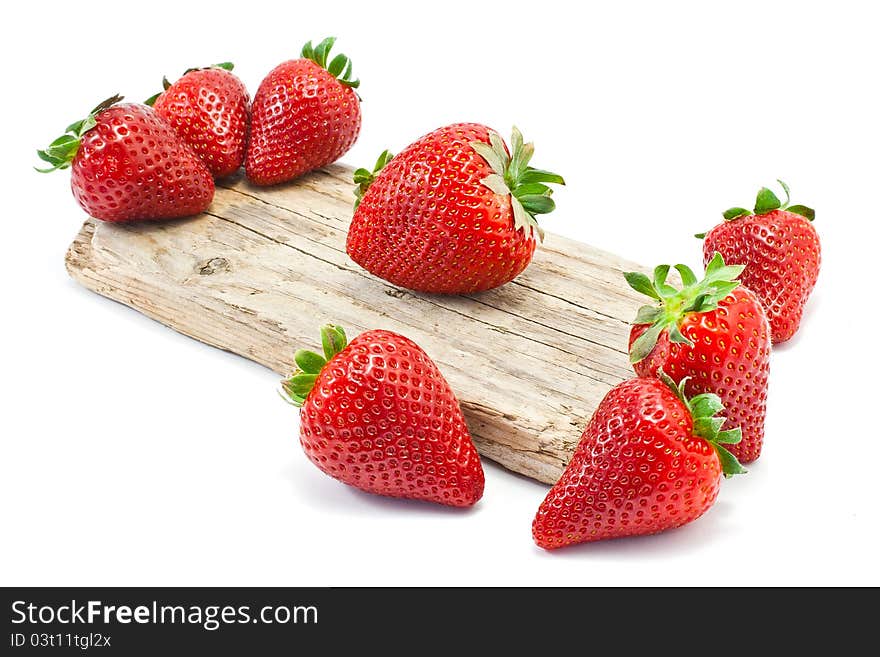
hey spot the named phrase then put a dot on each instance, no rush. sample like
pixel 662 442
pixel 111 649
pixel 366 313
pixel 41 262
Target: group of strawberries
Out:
pixel 158 160
pixel 455 213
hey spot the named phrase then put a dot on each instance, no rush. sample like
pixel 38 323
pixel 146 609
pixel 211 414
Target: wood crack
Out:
pixel 395 292
pixel 549 327
pixel 573 303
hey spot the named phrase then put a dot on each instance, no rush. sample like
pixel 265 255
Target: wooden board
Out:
pixel 265 267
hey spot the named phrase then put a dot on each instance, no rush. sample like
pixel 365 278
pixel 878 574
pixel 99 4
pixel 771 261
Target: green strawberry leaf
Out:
pixel 537 203
pixel 61 152
pixel 496 183
pixel 803 210
pixel 645 343
pixel 384 158
pixel 700 304
pixel 516 140
pixel 297 387
pixel 673 304
pixel 730 465
pixel 308 361
pixel 734 213
pixel 337 65
pixel 519 161
pixel 301 384
pixel 63 148
pixel 660 274
pixel 706 405
pixel 322 50
pixel 687 275
pixel 362 175
pixel 539 175
pixel 766 201
pixel 494 158
pixel 787 192
pixel 730 436
pixel 648 315
pixel 332 340
pixel 529 189
pixel 641 283
pixel 340 65
pixel 497 147
pixel 675 335
pixel 511 175
pixel 364 178
pixel 707 427
pixel 704 410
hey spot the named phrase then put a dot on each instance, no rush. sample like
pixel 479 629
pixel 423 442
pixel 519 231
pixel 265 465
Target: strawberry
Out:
pixel 650 459
pixel 305 115
pixel 377 414
pixel 714 333
pixel 780 250
pixel 454 213
pixel 127 164
pixel 209 109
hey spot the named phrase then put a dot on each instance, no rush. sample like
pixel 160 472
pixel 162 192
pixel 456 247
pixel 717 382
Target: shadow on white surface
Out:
pixel 329 495
pixel 811 311
pixel 693 537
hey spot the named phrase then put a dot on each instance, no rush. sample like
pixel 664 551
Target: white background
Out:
pixel 132 455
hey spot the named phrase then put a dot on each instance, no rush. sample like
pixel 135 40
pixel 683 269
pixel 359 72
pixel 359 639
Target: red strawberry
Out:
pixel 781 253
pixel 454 213
pixel 649 460
pixel 209 108
pixel 127 164
pixel 713 331
pixel 306 115
pixel 377 414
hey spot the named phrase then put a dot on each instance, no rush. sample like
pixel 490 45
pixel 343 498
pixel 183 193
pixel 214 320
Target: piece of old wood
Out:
pixel 265 267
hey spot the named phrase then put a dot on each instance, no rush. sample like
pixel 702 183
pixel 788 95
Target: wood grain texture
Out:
pixel 265 267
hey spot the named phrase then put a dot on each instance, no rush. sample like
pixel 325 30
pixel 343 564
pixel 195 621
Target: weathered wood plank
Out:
pixel 259 272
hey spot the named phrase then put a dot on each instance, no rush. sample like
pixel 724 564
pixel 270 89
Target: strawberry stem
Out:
pixel 673 305
pixel 704 409
pixel 339 67
pixel 512 176
pixel 363 178
pixel 60 153
pixel 309 365
pixel 767 201
pixel 226 66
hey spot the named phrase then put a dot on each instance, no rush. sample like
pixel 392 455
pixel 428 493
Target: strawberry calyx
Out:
pixel 60 153
pixel 339 67
pixel 704 409
pixel 309 364
pixel 765 202
pixel 512 176
pixel 225 66
pixel 363 178
pixel 673 305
